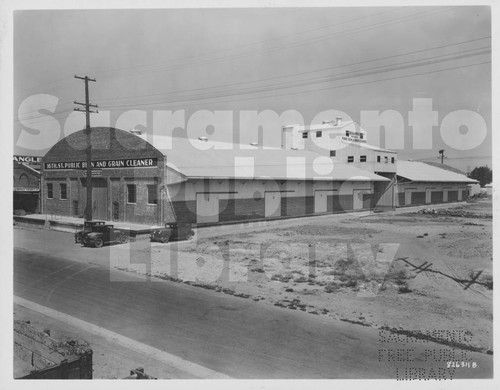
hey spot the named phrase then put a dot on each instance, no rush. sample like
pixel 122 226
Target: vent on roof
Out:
pixel 254 143
pixel 338 120
pixel 204 139
pixel 136 131
pixel 326 122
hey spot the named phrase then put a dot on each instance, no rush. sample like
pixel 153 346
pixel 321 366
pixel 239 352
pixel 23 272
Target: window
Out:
pixel 361 136
pixel 350 159
pixel 362 158
pixel 347 133
pixel 333 153
pixel 152 194
pixel 319 134
pixel 304 134
pixel 378 158
pixel 50 191
pixel 386 159
pixel 64 194
pixel 131 193
pixel 392 160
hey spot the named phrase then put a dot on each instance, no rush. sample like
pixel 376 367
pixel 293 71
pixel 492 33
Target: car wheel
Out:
pixel 164 239
pixel 98 242
pixel 78 239
pixel 123 239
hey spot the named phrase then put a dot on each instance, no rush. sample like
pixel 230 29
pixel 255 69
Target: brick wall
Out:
pixel 297 205
pixel 241 209
pixel 56 205
pixel 339 203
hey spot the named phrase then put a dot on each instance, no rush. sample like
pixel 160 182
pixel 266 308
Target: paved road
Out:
pixel 234 336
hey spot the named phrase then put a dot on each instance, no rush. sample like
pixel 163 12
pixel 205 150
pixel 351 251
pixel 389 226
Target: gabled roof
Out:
pixel 418 171
pixel 27 167
pixel 195 158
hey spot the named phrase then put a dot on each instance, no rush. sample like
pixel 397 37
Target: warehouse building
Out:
pixel 143 179
pixel 420 183
pixel 196 180
pixel 411 182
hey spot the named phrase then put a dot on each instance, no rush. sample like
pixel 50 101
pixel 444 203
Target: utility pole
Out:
pixel 441 152
pixel 88 206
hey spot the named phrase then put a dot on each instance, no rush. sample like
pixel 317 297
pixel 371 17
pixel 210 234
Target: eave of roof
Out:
pixel 419 172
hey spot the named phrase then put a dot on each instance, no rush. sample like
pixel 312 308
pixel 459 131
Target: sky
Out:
pixel 427 68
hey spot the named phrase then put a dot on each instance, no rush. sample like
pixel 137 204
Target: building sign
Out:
pixel 95 172
pixel 28 159
pixel 102 164
pixel 26 189
pixel 353 139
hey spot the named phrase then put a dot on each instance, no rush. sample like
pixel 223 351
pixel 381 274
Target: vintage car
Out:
pixel 172 231
pixel 104 234
pixel 88 227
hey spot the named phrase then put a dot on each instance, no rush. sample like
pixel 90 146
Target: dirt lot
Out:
pixel 424 273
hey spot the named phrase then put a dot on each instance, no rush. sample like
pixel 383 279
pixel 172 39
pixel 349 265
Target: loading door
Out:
pixel 408 196
pixel 207 208
pixel 321 200
pixel 273 204
pixel 358 201
pixel 99 198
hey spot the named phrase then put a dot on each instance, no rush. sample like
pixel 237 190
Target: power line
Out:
pixel 346 75
pixel 307 72
pixel 318 89
pixel 358 73
pixel 353 84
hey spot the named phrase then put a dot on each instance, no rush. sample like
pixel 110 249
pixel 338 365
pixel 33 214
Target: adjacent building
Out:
pixel 26 189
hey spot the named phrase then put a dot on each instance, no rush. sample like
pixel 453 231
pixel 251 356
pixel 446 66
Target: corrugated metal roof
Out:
pixel 418 171
pixel 208 159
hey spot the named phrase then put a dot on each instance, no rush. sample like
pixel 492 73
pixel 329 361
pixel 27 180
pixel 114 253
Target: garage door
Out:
pixel 207 208
pixel 273 204
pixel 418 197
pixel 360 200
pixel 321 200
pixel 437 197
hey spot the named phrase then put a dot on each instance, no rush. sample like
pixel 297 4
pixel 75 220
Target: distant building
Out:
pixel 489 189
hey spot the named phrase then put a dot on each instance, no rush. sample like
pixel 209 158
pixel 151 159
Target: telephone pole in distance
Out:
pixel 87 105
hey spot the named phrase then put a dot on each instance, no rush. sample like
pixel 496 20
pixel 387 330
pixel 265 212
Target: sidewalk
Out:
pixel 70 224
